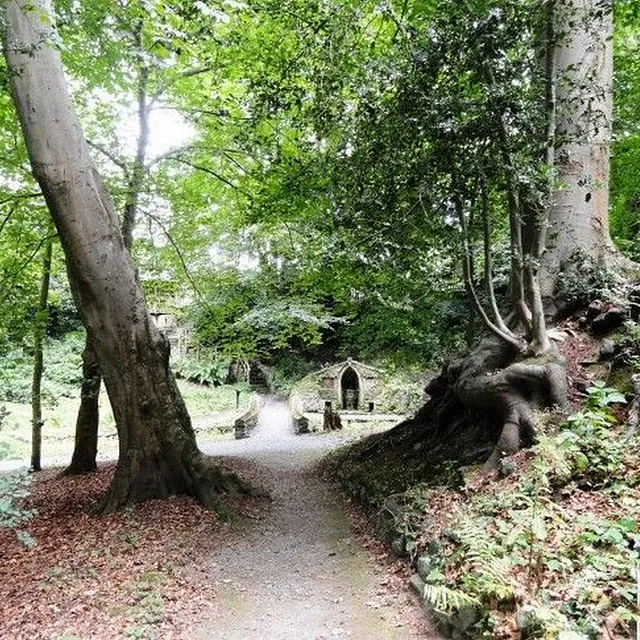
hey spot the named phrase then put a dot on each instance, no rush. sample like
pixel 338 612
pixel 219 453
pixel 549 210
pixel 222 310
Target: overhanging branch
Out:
pixel 211 172
pixel 119 162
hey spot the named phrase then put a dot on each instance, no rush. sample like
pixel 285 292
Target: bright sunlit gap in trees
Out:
pixel 169 130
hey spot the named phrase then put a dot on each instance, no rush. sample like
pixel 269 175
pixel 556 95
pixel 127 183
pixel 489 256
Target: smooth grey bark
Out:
pixel 38 360
pixel 583 67
pixel 158 455
pixel 87 422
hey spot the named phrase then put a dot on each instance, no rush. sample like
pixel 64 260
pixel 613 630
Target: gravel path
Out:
pixel 300 572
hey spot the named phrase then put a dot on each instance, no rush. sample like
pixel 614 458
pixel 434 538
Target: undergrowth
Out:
pixel 62 370
pixel 14 488
pixel 550 551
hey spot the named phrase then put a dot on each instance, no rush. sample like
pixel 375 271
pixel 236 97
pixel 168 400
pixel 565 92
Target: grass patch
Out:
pixel 212 409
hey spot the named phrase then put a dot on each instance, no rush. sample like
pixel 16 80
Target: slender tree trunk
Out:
pixel 136 176
pixel 86 443
pixel 537 219
pixel 158 452
pixel 38 357
pixel 583 61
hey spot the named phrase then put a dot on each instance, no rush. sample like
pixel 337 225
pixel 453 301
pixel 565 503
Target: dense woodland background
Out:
pixel 286 168
pixel 428 185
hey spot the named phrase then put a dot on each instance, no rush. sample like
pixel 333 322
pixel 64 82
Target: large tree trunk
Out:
pixel 158 452
pixel 38 360
pixel 87 422
pixel 85 450
pixel 583 62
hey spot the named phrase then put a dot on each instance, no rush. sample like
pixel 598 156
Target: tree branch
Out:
pixel 505 335
pixel 21 196
pixel 231 159
pixel 168 154
pixel 137 174
pixel 211 172
pixel 188 73
pixel 513 198
pixel 119 162
pixel 178 251
pixel 23 266
pixel 538 219
pixel 488 261
pixel 8 217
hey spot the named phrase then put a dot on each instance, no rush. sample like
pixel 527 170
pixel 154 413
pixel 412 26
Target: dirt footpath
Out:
pixel 300 572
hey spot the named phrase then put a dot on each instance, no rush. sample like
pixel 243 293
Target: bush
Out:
pixel 208 370
pixel 14 488
pixel 582 280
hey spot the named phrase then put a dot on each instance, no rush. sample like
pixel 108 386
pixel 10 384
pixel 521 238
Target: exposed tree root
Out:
pixel 481 408
pixel 492 382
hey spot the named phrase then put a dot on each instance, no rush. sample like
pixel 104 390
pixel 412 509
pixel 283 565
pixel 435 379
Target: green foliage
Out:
pixel 282 321
pixel 5 446
pixel 62 370
pixel 447 600
pixel 556 543
pixel 14 488
pixel 402 394
pixel 203 370
pixel 599 396
pixel 489 577
pixel 625 179
pixel 581 280
pixel 587 447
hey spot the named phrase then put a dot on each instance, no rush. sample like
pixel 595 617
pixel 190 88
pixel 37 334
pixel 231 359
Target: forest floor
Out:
pixel 302 565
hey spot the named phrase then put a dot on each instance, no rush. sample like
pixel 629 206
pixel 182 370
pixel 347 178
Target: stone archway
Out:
pixel 350 389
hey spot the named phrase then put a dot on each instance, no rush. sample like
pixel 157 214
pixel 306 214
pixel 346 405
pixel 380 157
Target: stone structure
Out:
pixel 346 386
pixel 178 336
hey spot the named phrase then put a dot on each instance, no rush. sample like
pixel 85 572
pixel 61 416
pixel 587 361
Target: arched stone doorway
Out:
pixel 350 389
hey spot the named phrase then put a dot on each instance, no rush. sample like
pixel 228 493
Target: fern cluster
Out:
pixel 512 545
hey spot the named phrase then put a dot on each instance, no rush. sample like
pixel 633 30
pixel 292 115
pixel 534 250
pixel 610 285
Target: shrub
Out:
pixel 62 374
pixel 208 370
pixel 14 488
pixel 582 280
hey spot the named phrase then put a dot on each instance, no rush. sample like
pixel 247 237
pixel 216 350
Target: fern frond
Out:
pixel 446 600
pixel 490 576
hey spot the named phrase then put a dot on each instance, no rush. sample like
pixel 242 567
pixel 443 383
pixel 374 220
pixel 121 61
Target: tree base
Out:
pixel 200 478
pixel 481 408
pixel 80 469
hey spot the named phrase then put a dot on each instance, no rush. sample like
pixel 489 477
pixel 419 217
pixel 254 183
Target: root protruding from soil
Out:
pixel 482 407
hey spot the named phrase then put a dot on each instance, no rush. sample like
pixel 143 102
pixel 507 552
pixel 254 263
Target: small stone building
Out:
pixel 346 386
pixel 178 336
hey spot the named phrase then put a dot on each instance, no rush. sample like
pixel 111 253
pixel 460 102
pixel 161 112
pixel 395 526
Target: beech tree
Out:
pixel 519 367
pixel 158 454
pixel 582 64
pixel 137 40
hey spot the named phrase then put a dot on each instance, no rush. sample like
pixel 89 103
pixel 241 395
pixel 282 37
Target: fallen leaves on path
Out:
pixel 135 574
